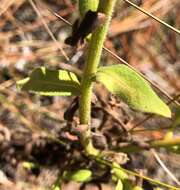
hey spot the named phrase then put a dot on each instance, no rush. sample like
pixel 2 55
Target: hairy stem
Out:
pixel 91 65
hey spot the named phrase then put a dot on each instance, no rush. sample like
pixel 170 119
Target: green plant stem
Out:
pixel 91 65
pixel 152 144
pixel 154 181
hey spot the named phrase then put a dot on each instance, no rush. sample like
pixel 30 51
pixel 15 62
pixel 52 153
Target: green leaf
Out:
pixel 57 184
pixel 51 83
pixel 119 185
pixel 137 188
pixel 118 172
pixel 174 149
pixel 127 185
pixel 132 88
pixel 56 187
pixel 30 165
pixel 79 176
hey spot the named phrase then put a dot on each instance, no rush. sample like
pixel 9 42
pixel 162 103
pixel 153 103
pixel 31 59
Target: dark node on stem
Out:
pixel 89 23
pixel 69 113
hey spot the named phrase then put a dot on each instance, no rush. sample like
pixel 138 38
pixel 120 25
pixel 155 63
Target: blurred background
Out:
pixel 32 36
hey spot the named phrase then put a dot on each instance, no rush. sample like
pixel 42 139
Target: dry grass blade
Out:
pixel 5 5
pixel 29 34
pixel 61 18
pixel 28 123
pixel 153 17
pixel 47 29
pixel 156 156
pixel 10 106
pixel 137 21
